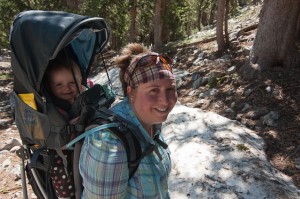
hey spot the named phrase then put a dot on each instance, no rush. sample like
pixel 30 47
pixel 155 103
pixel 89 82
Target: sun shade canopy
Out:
pixel 37 37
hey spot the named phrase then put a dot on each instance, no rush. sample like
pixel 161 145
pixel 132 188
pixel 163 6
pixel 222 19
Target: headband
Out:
pixel 148 67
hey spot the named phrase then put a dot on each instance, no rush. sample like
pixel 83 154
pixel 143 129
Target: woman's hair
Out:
pixel 124 60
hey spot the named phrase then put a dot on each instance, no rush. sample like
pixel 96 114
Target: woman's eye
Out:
pixel 155 90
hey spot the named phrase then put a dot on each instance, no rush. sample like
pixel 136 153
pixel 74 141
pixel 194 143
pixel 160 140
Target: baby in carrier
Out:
pixel 63 82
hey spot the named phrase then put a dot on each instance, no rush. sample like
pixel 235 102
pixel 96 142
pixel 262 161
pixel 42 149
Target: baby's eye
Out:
pixel 58 85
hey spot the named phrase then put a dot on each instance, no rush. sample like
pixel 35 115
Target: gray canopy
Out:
pixel 37 37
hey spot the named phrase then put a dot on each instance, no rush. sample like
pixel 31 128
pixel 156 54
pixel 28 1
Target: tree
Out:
pixel 158 24
pixel 220 24
pixel 74 4
pixel 133 26
pixel 276 39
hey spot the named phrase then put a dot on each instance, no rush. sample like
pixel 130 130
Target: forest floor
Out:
pixel 282 140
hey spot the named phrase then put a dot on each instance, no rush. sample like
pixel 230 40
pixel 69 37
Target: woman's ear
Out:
pixel 129 90
pixel 130 93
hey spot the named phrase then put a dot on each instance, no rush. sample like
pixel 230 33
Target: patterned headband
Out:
pixel 148 67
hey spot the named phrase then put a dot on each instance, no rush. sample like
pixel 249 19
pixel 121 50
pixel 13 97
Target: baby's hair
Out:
pixel 62 61
pixel 123 60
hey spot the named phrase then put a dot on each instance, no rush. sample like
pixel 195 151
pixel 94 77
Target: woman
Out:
pixel 149 86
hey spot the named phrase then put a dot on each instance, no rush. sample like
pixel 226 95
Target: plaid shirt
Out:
pixel 104 168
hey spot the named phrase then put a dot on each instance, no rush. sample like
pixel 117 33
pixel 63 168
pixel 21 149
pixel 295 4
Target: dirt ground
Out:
pixel 282 141
pixel 278 90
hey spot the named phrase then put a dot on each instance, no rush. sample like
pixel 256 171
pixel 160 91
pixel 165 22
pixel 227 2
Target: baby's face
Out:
pixel 63 84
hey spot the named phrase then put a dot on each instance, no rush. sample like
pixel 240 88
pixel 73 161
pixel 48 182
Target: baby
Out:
pixel 63 82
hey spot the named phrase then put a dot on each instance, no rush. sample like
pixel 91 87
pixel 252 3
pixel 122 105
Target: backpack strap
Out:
pixel 76 175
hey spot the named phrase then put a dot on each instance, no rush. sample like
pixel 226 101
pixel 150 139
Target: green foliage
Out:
pixel 7 10
pixel 10 8
pixel 212 82
pixel 145 22
pixel 5 76
pixel 242 147
pixel 180 18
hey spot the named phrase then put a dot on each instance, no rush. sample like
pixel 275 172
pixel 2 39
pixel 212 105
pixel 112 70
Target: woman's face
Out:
pixel 153 101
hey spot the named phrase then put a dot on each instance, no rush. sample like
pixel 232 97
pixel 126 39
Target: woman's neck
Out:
pixel 150 131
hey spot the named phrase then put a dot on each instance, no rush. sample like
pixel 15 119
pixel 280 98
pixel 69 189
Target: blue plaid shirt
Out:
pixel 104 168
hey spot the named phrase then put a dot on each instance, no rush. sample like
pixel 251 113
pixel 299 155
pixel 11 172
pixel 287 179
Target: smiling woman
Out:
pixel 150 95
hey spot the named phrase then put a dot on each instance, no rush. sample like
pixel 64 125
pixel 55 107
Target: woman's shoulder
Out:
pixel 106 135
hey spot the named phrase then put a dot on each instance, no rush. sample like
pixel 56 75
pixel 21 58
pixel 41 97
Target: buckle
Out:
pixel 22 153
pixel 70 128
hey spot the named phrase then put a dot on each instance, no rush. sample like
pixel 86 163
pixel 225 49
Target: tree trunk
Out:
pixel 212 14
pixel 133 14
pixel 226 24
pixel 204 18
pixel 220 23
pixel 255 2
pixel 242 3
pixel 158 25
pixel 199 20
pixel 275 39
pixel 74 4
pixel 275 43
pixel 199 15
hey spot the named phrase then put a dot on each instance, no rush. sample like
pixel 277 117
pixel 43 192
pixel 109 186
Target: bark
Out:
pixel 158 25
pixel 255 2
pixel 242 3
pixel 212 14
pixel 204 18
pixel 133 28
pixel 226 24
pixel 220 23
pixel 74 4
pixel 199 20
pixel 199 16
pixel 275 43
pixel 275 40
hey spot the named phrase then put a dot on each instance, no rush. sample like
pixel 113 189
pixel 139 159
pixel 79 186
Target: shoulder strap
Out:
pixel 123 129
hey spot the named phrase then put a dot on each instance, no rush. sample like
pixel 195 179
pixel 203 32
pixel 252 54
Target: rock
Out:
pixel 231 70
pixel 5 122
pixel 8 145
pixel 232 105
pixel 214 157
pixel 297 161
pixel 246 107
pixel 14 149
pixel 268 89
pixel 216 74
pixel 6 163
pixel 210 92
pixel 200 82
pixel 229 110
pixel 271 118
pixel 196 75
pixel 256 114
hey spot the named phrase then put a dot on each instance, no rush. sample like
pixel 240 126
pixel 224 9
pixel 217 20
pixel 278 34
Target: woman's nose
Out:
pixel 164 98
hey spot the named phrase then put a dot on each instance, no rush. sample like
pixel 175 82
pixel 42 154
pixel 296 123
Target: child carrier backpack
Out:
pixel 36 38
